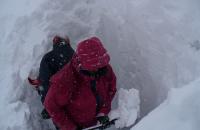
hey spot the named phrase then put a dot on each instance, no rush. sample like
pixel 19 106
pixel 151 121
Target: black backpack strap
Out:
pixel 101 72
pixel 96 94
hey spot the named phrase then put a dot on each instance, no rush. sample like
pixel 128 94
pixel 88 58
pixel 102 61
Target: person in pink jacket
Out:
pixel 81 93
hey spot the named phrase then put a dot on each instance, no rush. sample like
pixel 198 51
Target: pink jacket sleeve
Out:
pixel 56 99
pixel 111 82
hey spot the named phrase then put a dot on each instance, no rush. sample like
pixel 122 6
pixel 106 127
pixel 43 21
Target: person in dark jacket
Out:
pixel 51 63
pixel 81 93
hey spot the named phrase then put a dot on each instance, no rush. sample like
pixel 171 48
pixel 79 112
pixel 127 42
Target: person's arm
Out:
pixel 54 103
pixel 111 82
pixel 44 71
pixel 44 76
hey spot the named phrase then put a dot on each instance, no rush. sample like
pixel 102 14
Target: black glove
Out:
pixel 103 119
pixel 45 114
pixel 79 128
pixel 105 126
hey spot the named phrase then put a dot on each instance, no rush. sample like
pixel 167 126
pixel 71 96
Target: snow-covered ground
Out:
pixel 154 46
pixel 180 111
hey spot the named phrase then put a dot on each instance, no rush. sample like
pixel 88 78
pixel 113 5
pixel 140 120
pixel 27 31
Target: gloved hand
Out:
pixel 103 119
pixel 105 126
pixel 45 114
pixel 79 128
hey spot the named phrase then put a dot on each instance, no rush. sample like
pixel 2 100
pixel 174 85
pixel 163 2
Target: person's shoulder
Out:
pixel 48 55
pixel 109 68
pixel 110 71
pixel 62 75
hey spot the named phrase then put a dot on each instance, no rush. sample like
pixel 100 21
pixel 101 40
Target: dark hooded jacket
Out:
pixel 51 63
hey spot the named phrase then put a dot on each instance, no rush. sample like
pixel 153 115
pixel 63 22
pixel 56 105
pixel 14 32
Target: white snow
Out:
pixel 128 108
pixel 180 111
pixel 154 46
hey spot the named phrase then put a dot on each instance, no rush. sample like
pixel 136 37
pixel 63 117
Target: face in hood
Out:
pixel 91 55
pixel 60 42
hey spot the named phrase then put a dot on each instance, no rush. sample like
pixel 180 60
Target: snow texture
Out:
pixel 180 111
pixel 128 108
pixel 154 46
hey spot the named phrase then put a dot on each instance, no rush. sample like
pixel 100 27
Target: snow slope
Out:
pixel 180 111
pixel 154 46
pixel 128 110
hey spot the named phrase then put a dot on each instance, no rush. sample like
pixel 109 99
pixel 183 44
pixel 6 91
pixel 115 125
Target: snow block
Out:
pixel 128 108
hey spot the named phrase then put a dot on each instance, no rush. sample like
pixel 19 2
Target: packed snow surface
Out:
pixel 180 111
